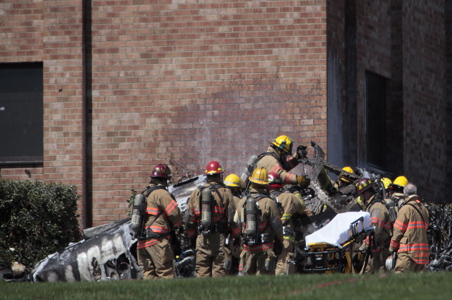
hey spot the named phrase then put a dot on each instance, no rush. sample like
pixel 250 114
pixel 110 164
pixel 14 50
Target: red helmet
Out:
pixel 362 185
pixel 161 170
pixel 275 180
pixel 214 167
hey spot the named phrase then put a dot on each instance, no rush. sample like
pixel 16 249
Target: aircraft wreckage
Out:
pixel 108 252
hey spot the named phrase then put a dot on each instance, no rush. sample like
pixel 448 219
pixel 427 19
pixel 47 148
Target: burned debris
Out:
pixel 108 252
pixel 439 237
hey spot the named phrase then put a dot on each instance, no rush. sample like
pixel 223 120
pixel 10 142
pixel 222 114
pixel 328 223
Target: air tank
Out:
pixel 137 216
pixel 251 217
pixel 249 168
pixel 206 209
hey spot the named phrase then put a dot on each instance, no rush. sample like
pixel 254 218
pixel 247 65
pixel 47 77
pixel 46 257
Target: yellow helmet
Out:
pixel 349 170
pixel 386 181
pixel 401 181
pixel 260 176
pixel 233 181
pixel 284 143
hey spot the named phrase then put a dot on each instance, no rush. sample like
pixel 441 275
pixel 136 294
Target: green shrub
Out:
pixel 36 219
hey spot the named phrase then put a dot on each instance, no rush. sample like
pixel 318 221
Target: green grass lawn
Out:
pixel 407 286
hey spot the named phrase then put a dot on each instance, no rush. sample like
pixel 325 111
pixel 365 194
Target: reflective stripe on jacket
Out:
pixel 222 201
pixel 410 231
pixel 268 209
pixel 271 164
pixel 162 206
pixel 379 218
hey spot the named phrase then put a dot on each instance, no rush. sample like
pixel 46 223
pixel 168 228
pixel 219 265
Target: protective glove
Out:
pixel 301 152
pixel 324 180
pixel 303 181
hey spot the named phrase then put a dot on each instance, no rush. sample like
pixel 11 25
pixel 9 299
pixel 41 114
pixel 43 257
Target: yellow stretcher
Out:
pixel 324 257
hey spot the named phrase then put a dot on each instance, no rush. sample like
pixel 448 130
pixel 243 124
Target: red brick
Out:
pixel 172 80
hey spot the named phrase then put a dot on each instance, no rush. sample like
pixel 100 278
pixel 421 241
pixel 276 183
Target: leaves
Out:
pixel 36 219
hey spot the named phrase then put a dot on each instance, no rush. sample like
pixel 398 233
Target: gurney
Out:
pixel 330 249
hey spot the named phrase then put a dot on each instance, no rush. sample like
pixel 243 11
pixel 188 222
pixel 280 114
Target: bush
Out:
pixel 36 219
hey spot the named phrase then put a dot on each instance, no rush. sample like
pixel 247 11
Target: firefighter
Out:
pixel 391 205
pixel 260 222
pixel 162 215
pixel 396 190
pixel 235 184
pixel 372 202
pixel 291 206
pixel 343 180
pixel 279 159
pixel 234 247
pixel 387 183
pixel 210 211
pixel 410 233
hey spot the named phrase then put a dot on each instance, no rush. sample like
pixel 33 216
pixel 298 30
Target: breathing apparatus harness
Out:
pixel 206 203
pixel 287 230
pixel 139 212
pixel 250 215
pixel 268 153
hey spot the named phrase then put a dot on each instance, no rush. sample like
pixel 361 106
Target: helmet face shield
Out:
pixel 343 177
pixel 399 183
pixel 283 143
pixel 288 147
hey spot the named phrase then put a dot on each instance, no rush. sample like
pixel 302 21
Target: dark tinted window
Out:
pixel 21 113
pixel 376 120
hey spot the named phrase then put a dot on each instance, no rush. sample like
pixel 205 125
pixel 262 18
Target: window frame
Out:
pixel 33 130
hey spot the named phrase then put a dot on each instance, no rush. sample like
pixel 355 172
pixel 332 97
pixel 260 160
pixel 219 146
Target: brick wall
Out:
pixel 337 102
pixel 424 96
pixel 373 54
pixel 359 35
pixel 21 37
pixel 21 34
pixel 50 31
pixel 172 82
pixel 63 71
pixel 189 83
pixel 394 107
pixel 185 83
pixel 403 42
pixel 448 76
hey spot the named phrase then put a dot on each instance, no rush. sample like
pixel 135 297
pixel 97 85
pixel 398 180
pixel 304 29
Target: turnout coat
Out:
pixel 410 231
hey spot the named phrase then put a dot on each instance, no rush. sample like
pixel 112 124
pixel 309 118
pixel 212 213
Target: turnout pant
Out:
pixel 405 264
pixel 157 260
pixel 210 255
pixel 255 262
pixel 286 254
pixel 377 262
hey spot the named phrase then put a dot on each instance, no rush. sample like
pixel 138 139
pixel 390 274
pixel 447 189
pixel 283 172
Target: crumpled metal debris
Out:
pixel 106 255
pixel 108 252
pixel 439 237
